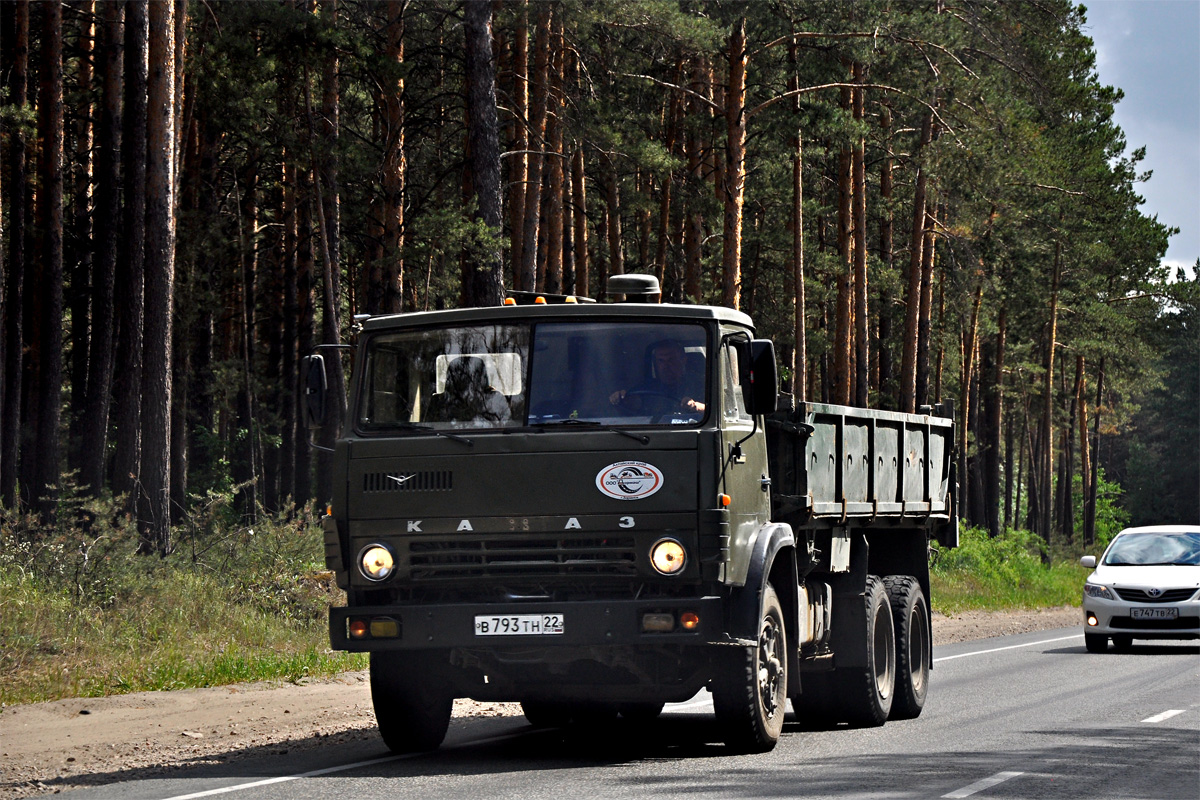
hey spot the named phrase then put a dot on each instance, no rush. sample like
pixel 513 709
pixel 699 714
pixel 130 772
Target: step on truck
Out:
pixel 595 509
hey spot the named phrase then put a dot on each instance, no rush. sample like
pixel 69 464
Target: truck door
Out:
pixel 744 457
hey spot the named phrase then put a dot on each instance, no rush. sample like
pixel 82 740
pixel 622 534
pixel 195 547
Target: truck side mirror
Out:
pixel 315 386
pixel 762 389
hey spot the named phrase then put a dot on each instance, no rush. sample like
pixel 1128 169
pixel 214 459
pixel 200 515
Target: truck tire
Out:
pixel 1095 642
pixel 910 614
pixel 412 704
pixel 546 713
pixel 865 694
pixel 750 698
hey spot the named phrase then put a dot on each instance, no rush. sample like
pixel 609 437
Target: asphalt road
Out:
pixel 1025 716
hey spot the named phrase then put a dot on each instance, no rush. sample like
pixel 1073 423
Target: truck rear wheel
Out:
pixel 913 645
pixel 866 693
pixel 751 697
pixel 412 704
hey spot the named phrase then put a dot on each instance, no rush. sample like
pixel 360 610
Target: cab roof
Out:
pixel 565 311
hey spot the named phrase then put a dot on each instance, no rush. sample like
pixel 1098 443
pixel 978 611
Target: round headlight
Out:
pixel 376 562
pixel 667 556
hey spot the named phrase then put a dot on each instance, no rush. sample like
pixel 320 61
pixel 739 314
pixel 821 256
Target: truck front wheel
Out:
pixel 751 697
pixel 913 645
pixel 412 702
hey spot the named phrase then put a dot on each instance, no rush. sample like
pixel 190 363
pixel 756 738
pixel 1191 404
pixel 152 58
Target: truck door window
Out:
pixel 733 403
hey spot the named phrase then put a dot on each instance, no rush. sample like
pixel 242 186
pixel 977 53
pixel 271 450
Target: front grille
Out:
pixel 401 481
pixel 503 556
pixel 1178 624
pixel 1168 595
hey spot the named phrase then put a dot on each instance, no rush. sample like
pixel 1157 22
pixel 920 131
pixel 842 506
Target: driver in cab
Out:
pixel 670 382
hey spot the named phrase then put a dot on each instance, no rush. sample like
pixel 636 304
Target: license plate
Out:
pixel 519 625
pixel 1154 613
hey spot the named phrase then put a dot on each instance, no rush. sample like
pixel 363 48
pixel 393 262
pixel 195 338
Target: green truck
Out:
pixel 595 509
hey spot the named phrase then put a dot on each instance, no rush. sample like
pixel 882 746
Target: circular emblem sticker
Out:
pixel 629 480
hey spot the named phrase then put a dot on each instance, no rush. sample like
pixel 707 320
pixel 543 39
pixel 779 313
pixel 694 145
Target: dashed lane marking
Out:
pixel 1174 712
pixel 986 783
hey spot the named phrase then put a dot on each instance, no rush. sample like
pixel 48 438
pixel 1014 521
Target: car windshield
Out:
pixel 1145 549
pixel 545 374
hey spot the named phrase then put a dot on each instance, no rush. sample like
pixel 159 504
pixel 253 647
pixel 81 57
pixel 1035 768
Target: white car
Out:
pixel 1146 586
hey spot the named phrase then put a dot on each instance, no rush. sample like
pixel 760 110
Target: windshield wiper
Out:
pixel 416 427
pixel 588 423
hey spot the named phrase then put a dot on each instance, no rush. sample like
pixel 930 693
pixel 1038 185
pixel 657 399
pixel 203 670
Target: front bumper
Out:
pixel 585 624
pixel 1114 618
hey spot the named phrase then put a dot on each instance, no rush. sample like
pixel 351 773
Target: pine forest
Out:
pixel 919 202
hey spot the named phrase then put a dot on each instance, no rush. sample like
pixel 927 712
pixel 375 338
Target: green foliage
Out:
pixel 1007 572
pixel 83 615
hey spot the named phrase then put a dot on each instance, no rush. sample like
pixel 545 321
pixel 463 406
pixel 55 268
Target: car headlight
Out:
pixel 376 562
pixel 1096 590
pixel 667 556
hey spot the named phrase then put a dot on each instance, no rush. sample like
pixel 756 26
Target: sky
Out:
pixel 1151 50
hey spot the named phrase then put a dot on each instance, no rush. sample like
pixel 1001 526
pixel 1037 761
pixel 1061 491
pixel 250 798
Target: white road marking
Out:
pixel 1174 712
pixel 986 783
pixel 330 770
pixel 1009 647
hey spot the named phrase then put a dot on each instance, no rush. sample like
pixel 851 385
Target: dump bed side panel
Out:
pixel 832 463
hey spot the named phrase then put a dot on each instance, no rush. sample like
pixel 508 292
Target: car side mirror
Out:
pixel 1088 561
pixel 315 386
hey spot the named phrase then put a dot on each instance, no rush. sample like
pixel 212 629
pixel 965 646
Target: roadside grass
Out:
pixel 81 615
pixel 1013 571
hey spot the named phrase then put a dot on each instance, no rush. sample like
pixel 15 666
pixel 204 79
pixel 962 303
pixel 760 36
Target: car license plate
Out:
pixel 519 625
pixel 1154 613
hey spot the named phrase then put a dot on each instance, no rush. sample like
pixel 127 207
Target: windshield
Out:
pixel 552 373
pixel 1143 549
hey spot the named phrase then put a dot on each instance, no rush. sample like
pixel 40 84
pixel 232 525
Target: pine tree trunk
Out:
pixel 539 98
pixel 244 468
pixel 735 167
pixel 154 504
pixel 993 407
pixel 518 162
pixel 912 317
pixel 887 256
pixel 45 311
pixel 15 284
pixel 1093 479
pixel 108 226
pixel 924 318
pixel 330 129
pixel 579 204
pixel 305 330
pixel 554 164
pixel 799 331
pixel 612 195
pixel 288 372
pixel 78 250
pixel 1046 467
pixel 395 169
pixel 486 285
pixel 130 277
pixel 861 338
